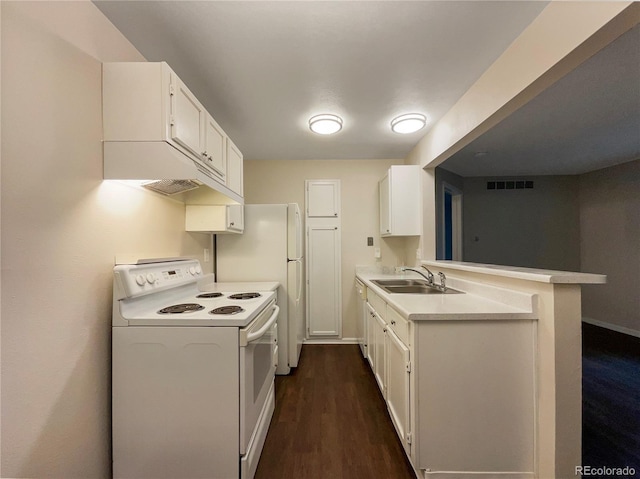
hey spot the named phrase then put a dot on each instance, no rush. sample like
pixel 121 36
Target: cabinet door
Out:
pixel 234 168
pixel 385 216
pixel 214 148
pixel 371 327
pixel 214 218
pixel 235 217
pixel 187 116
pixel 360 318
pixel 323 198
pixel 365 324
pixel 379 364
pixel 398 370
pixel 323 280
pixel 400 200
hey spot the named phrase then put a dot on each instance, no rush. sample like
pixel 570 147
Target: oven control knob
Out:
pixel 198 270
pixel 151 278
pixel 140 279
pixel 192 270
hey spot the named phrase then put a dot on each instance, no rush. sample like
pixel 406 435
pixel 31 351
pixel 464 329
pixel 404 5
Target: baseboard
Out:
pixel 331 341
pixel 612 327
pixel 478 475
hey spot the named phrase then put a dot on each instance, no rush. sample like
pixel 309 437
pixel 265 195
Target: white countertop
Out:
pixel 529 274
pixel 479 302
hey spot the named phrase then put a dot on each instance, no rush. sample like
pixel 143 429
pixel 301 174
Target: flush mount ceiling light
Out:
pixel 325 124
pixel 408 123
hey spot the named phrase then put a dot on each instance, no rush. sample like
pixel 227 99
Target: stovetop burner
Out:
pixel 245 296
pixel 227 310
pixel 209 295
pixel 181 308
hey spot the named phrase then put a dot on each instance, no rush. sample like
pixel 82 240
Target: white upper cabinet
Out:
pixel 235 218
pixel 385 214
pixel 214 148
pixel 400 201
pixel 214 218
pixel 235 168
pixel 146 107
pixel 187 117
pixel 323 198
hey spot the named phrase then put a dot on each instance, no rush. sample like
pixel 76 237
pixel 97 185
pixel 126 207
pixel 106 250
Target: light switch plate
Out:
pixel 377 253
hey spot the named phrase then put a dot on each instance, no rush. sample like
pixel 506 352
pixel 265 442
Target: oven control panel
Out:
pixel 139 279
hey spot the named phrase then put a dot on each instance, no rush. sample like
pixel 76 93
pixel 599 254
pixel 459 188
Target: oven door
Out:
pixel 257 370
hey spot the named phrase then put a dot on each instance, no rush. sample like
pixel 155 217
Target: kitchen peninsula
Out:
pixel 485 382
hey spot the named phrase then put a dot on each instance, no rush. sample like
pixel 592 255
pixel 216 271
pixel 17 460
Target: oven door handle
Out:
pixel 260 332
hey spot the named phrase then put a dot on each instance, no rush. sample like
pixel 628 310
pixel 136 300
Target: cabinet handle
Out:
pixel 393 322
pixel 335 214
pixel 231 224
pixel 204 153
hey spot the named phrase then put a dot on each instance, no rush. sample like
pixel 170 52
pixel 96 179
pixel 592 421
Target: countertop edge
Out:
pixel 528 274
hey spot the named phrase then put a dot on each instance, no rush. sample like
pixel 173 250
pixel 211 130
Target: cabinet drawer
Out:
pixel 377 303
pixel 399 325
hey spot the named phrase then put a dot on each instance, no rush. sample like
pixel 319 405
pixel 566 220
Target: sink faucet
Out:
pixel 443 281
pixel 428 276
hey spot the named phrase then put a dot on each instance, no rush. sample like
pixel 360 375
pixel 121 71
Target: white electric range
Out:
pixel 192 373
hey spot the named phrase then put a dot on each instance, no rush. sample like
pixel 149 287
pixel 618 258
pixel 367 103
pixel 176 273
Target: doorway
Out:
pixel 452 222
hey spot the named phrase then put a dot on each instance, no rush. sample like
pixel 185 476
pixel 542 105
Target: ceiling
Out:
pixel 588 120
pixel 263 68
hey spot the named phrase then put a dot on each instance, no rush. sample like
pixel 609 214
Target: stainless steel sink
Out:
pixel 400 282
pixel 412 286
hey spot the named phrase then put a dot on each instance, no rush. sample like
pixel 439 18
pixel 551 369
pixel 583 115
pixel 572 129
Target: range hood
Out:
pixel 162 167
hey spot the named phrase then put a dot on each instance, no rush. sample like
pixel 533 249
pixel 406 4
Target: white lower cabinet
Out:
pixel 389 355
pixel 398 386
pixel 380 363
pixel 461 394
pixel 390 359
pixel 371 350
pixel 361 318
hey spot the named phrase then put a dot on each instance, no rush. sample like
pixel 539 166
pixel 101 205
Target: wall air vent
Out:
pixel 510 185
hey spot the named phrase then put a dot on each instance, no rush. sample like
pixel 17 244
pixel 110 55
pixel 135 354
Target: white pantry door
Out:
pixel 323 280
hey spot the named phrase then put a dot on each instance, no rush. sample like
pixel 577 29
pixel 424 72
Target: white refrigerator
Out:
pixel 270 249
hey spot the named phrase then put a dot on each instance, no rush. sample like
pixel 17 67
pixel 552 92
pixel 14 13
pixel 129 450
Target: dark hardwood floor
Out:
pixel 331 422
pixel 610 399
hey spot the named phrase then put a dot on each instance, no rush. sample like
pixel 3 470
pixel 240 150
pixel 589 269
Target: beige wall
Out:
pixel 61 228
pixel 535 228
pixel 610 244
pixel 283 182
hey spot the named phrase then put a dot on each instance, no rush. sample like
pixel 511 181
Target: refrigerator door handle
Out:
pixel 299 285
